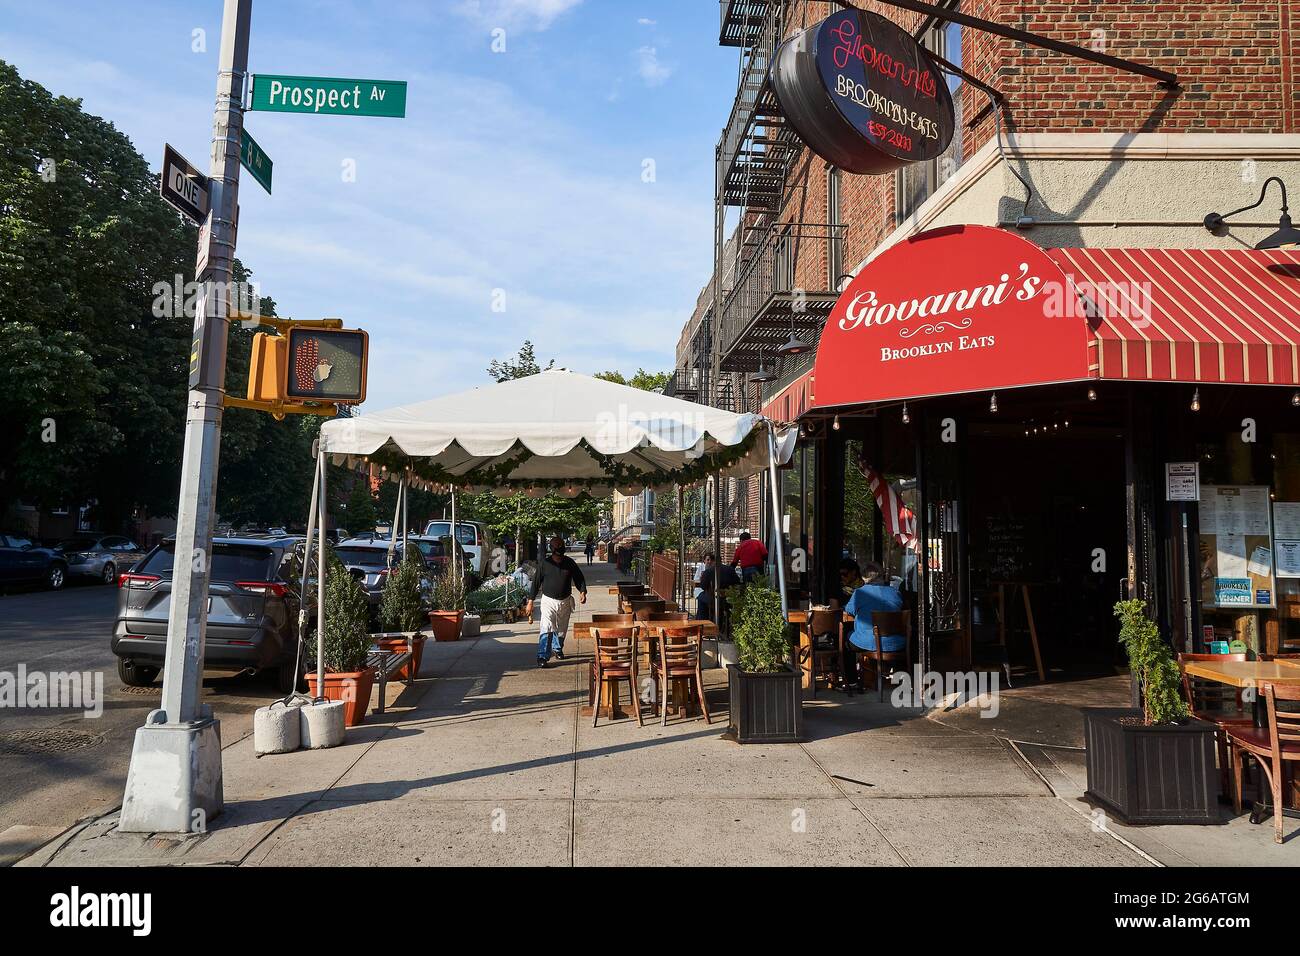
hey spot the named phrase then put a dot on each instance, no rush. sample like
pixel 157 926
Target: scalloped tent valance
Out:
pixel 557 430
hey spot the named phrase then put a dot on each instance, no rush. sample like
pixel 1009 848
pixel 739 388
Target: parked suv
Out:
pixel 473 537
pixel 22 562
pixel 252 611
pixel 99 556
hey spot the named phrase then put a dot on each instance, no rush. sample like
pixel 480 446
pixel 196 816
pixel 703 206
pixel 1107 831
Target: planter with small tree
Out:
pixel 449 606
pixel 1154 765
pixel 765 693
pixel 401 611
pixel 347 644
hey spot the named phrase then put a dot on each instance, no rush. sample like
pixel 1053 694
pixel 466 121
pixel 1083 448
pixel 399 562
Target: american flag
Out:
pixel 900 522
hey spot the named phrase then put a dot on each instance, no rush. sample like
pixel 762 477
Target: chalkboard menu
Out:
pixel 1008 549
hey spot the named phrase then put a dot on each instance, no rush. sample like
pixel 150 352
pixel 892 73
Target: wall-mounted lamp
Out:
pixel 1287 236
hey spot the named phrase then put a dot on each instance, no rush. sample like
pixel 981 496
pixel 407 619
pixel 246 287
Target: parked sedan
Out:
pixel 252 611
pixel 22 562
pixel 99 557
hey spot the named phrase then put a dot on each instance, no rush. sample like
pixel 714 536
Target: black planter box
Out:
pixel 765 708
pixel 1161 774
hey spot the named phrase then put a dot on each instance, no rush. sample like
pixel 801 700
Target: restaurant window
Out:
pixel 1249 540
pixel 916 182
pixel 835 233
pixel 798 486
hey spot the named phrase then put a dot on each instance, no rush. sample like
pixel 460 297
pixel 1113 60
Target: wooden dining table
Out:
pixel 1247 674
pixel 646 639
pixel 800 617
pixel 1251 674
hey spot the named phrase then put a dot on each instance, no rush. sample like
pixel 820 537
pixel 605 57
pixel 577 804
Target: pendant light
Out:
pixel 1196 400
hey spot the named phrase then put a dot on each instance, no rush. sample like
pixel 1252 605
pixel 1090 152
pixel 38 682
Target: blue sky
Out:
pixel 519 171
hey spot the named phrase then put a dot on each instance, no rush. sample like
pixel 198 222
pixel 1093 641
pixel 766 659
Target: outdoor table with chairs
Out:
pixel 1270 731
pixel 668 650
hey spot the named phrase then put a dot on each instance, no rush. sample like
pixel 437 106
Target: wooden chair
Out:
pixel 884 624
pixel 825 624
pixel 1216 703
pixel 614 660
pixel 642 608
pixel 1274 747
pixel 612 619
pixel 663 616
pixel 678 661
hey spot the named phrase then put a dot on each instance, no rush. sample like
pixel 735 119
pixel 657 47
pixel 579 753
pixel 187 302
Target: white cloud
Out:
pixel 519 14
pixel 647 22
pixel 651 69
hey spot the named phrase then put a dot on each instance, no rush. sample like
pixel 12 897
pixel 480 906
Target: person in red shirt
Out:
pixel 750 556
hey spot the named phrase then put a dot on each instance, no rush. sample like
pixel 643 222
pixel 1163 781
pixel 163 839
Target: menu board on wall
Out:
pixel 1236 547
pixel 1286 538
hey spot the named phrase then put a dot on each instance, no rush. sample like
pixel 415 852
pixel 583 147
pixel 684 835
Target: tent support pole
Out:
pixel 455 541
pixel 681 547
pixel 777 529
pixel 306 555
pixel 717 549
pixel 322 467
pixel 399 511
pixel 405 524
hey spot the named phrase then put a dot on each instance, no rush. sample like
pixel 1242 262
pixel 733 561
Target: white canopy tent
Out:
pixel 556 431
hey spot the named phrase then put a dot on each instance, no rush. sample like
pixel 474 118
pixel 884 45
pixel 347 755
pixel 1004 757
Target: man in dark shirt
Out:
pixel 557 576
pixel 727 578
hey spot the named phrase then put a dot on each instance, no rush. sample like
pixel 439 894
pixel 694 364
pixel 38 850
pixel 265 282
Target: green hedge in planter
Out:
pixel 758 627
pixel 1153 665
pixel 401 608
pixel 347 624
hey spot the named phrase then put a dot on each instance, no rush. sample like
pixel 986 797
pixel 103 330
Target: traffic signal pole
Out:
pixel 174 782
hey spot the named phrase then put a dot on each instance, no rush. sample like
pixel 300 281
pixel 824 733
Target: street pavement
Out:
pixel 487 760
pixel 59 766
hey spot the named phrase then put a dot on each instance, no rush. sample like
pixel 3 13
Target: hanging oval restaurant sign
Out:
pixel 863 94
pixel 957 309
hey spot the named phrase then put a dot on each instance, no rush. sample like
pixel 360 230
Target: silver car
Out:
pixel 102 557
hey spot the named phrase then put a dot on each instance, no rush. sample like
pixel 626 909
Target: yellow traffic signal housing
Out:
pixel 323 365
pixel 266 368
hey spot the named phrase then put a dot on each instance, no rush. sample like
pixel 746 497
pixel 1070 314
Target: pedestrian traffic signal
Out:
pixel 326 365
pixel 302 362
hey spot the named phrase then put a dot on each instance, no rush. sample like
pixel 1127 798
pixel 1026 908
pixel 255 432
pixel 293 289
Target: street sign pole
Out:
pixel 174 782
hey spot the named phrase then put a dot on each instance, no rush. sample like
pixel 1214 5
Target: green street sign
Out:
pixel 338 97
pixel 255 161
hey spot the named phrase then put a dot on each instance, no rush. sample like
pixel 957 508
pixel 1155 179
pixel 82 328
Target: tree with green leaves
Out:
pixel 523 365
pixel 94 356
pixel 646 381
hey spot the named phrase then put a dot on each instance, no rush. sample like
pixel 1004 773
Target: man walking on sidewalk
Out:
pixel 557 576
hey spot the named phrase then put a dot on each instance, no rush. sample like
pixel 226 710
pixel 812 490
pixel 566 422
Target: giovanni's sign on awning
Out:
pixel 958 309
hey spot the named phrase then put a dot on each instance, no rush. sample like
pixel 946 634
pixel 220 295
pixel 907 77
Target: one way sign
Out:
pixel 184 186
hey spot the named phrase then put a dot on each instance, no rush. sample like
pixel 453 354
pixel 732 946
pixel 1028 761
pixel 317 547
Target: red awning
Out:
pixel 1189 315
pixel 971 308
pixel 791 402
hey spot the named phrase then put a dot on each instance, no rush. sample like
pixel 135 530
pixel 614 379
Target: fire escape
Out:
pixel 764 304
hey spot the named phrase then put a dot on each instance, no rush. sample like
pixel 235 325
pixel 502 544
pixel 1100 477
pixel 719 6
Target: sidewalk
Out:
pixel 485 761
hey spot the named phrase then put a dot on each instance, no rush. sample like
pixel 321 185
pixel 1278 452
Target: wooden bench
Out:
pixel 386 662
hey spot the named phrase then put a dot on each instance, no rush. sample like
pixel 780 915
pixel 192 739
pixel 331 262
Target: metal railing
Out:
pixel 766 302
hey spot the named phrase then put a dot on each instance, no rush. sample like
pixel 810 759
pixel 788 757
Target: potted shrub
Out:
pixel 449 606
pixel 402 611
pixel 347 643
pixel 1154 765
pixel 766 697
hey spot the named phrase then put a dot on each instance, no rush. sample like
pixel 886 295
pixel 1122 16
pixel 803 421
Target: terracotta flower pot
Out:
pixel 411 669
pixel 446 624
pixel 353 689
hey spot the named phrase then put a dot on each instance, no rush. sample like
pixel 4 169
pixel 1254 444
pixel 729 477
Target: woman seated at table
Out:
pixel 874 595
pixel 850 580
